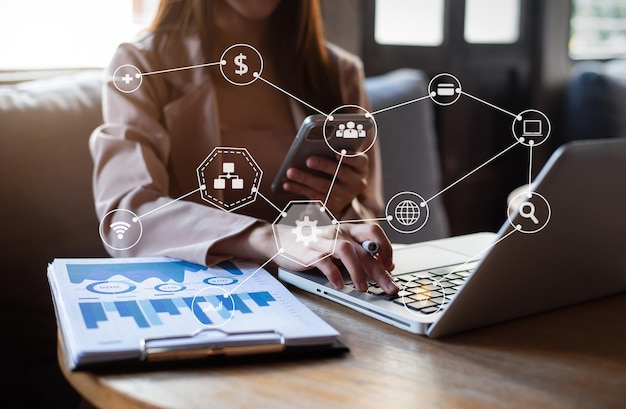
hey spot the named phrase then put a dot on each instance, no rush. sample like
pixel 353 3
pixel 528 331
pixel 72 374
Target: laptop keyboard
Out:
pixel 425 291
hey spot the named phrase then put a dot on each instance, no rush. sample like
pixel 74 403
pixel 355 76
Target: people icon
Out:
pixel 340 129
pixel 361 131
pixel 350 130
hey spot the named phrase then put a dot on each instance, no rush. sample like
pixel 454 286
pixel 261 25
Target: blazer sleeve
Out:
pixel 130 151
pixel 369 204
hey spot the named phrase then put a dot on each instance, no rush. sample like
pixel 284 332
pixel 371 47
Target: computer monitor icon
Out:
pixel 531 127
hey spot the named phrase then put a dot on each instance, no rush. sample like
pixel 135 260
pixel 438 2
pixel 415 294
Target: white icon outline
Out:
pixel 223 63
pixel 444 89
pixel 210 195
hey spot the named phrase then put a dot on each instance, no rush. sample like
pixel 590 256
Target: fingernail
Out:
pixel 391 286
pixel 338 284
pixel 362 286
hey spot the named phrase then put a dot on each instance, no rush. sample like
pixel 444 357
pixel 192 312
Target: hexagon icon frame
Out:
pixel 305 210
pixel 247 197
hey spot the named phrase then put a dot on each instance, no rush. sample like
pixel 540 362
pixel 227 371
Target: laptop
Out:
pixel 562 245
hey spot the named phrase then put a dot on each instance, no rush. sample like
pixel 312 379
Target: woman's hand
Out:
pixel 258 243
pixel 351 181
pixel 360 264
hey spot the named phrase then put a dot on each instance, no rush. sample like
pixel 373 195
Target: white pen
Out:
pixel 370 246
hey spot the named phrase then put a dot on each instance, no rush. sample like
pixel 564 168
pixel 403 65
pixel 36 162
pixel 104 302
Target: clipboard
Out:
pixel 159 357
pixel 149 312
pixel 166 348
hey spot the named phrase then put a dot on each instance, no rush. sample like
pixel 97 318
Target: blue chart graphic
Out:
pixel 145 313
pixel 111 287
pixel 139 272
pixel 148 312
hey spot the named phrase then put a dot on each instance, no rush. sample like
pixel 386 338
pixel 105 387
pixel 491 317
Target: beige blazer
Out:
pixel 152 140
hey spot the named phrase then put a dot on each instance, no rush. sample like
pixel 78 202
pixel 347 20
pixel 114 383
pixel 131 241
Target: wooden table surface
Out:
pixel 568 358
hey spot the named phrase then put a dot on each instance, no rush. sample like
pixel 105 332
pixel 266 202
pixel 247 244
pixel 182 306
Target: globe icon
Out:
pixel 407 212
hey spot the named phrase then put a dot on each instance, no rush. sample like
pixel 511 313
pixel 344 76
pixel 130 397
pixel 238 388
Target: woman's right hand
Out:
pixel 258 243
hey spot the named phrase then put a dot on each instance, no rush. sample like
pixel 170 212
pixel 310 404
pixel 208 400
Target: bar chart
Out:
pixel 147 313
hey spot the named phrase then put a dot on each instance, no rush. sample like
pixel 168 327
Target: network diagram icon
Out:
pixel 229 178
pixel 305 231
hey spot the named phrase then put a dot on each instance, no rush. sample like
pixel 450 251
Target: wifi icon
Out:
pixel 120 228
pixel 122 234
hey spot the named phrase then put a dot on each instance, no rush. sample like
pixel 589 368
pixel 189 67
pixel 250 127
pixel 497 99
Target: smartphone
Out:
pixel 344 131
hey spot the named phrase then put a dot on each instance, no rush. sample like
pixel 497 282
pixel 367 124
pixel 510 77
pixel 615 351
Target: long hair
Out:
pixel 295 39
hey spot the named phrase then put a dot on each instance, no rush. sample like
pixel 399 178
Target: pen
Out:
pixel 388 285
pixel 370 246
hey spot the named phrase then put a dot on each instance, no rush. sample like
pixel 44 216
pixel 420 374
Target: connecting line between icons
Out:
pixel 479 167
pixel 491 105
pixel 257 75
pixel 268 201
pixel 287 93
pixel 330 188
pixel 530 168
pixel 362 220
pixel 182 68
pixel 400 105
pixel 253 273
pixel 474 257
pixel 169 203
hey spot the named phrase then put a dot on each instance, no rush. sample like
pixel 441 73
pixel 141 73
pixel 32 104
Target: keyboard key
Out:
pixel 403 293
pixel 375 290
pixel 412 284
pixel 418 305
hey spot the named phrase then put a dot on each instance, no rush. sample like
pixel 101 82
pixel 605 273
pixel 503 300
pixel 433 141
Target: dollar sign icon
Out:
pixel 243 68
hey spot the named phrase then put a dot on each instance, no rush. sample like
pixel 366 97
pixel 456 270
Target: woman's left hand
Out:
pixel 350 182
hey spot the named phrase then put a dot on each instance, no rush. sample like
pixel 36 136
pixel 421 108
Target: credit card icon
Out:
pixel 445 89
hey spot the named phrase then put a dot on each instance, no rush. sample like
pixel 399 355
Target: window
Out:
pixel 492 21
pixel 44 34
pixel 421 22
pixel 597 29
pixel 409 22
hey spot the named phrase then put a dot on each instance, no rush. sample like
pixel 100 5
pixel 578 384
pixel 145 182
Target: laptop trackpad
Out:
pixel 423 257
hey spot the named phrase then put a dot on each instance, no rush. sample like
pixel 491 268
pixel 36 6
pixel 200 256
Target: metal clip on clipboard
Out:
pixel 174 348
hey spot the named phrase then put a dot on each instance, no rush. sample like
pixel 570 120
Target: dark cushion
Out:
pixel 595 101
pixel 47 208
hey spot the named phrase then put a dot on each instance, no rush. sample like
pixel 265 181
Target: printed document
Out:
pixel 121 309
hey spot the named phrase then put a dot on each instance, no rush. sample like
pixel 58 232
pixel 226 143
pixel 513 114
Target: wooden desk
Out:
pixel 568 358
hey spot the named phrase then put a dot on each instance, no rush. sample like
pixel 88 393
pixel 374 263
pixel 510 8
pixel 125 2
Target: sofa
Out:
pixel 48 212
pixel 594 103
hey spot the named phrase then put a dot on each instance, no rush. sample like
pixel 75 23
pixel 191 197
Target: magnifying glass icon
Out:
pixel 530 213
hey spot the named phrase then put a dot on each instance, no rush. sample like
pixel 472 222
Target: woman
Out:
pixel 153 139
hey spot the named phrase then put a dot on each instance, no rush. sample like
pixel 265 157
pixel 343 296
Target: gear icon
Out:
pixel 306 231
